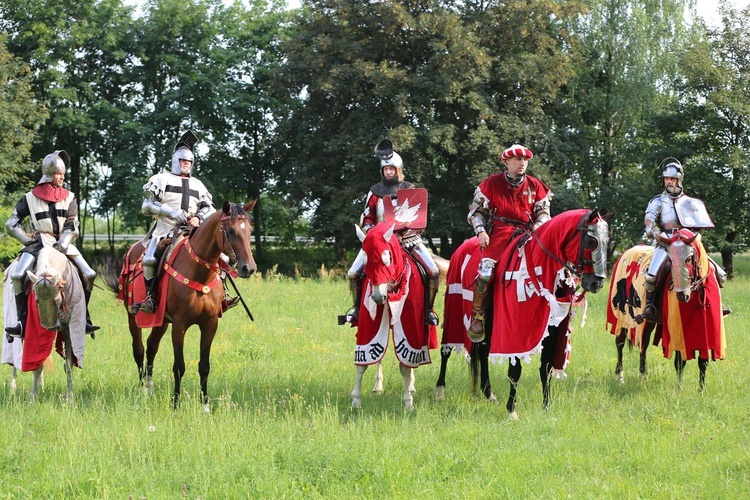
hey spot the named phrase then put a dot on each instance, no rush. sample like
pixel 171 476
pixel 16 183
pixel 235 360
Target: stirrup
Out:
pixel 476 329
pixel 229 302
pixel 649 312
pixel 148 306
pixel 351 316
pixel 431 318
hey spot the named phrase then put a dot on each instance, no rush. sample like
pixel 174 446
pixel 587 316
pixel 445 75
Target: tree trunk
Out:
pixel 727 261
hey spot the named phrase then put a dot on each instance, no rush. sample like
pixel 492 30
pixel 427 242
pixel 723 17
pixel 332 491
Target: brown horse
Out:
pixel 194 294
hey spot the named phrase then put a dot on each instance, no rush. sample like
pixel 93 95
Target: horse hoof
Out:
pixel 206 409
pixel 356 405
pixel 492 399
pixel 440 392
pixel 513 416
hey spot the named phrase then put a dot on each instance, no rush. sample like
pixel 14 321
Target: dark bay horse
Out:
pixel 191 290
pixel 534 290
pixel 392 304
pixel 690 318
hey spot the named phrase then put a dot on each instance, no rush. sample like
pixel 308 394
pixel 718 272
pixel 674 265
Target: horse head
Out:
pixel 49 284
pixel 684 253
pixel 383 264
pixel 592 253
pixel 235 232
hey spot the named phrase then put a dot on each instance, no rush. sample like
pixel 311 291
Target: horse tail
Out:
pixel 111 274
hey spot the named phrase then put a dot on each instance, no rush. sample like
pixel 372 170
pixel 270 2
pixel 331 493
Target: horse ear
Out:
pixel 226 208
pixel 608 216
pixel 360 233
pixel 249 205
pixel 33 277
pixel 388 234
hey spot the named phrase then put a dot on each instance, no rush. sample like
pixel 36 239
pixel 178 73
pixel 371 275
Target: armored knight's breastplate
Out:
pixel 668 218
pixel 380 212
pixel 182 192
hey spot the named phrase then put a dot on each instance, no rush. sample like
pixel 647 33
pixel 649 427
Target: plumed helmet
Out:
pixel 183 150
pixel 52 163
pixel 517 150
pixel 671 167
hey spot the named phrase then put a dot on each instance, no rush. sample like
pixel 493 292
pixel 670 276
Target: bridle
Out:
pixel 225 238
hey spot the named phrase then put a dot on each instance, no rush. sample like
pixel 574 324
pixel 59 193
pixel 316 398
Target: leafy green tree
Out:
pixel 20 118
pixel 712 126
pixel 442 79
pixel 627 56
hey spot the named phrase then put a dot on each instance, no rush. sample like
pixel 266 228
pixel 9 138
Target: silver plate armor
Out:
pixel 692 213
pixel 52 163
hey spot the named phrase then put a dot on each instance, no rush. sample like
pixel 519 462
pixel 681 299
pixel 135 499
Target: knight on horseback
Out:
pixel 172 198
pixel 391 180
pixel 667 212
pixel 53 214
pixel 509 202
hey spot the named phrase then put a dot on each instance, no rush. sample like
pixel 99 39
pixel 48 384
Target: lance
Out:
pixel 247 309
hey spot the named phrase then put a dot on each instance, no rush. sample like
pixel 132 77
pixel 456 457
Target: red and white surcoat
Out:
pixel 498 199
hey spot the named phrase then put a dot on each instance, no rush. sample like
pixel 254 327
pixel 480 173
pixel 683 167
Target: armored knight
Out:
pixel 172 198
pixel 666 212
pixel 391 180
pixel 53 214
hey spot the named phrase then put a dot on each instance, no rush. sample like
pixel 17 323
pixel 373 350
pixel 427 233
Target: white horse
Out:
pixel 62 308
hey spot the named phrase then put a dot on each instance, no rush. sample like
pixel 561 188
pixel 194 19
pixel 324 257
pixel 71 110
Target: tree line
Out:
pixel 289 103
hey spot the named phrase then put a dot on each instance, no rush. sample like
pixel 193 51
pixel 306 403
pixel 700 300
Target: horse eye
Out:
pixel 230 231
pixel 386 257
pixel 591 243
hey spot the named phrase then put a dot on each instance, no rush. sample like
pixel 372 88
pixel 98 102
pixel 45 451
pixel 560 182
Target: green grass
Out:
pixel 282 425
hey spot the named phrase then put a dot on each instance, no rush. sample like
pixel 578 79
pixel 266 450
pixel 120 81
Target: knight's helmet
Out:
pixel 53 163
pixel 183 150
pixel 388 157
pixel 671 167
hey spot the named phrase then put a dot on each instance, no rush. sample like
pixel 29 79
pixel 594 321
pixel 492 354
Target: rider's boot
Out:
pixel 649 311
pixel 149 304
pixel 430 317
pixel 352 315
pixel 17 330
pixel 90 327
pixel 476 329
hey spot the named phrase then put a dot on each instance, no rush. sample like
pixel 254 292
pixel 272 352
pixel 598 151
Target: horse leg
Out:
pixel 679 366
pixel 445 355
pixel 514 375
pixel 13 377
pixel 702 365
pixel 208 332
pixel 152 347
pixel 483 351
pixel 36 376
pixel 357 391
pixel 620 340
pixel 407 373
pixel 68 362
pixel 377 387
pixel 136 335
pixel 546 366
pixel 645 341
pixel 178 367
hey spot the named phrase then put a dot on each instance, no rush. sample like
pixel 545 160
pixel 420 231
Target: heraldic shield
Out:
pixel 409 212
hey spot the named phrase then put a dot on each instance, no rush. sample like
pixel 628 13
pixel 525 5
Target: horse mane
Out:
pixel 52 262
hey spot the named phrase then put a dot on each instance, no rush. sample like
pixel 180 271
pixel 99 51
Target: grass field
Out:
pixel 282 425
